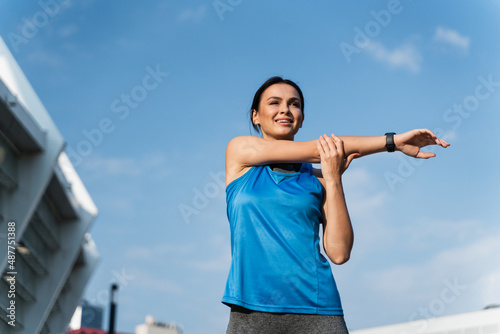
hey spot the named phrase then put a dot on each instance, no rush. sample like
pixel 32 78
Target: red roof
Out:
pixel 86 330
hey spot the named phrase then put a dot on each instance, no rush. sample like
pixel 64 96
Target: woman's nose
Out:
pixel 284 109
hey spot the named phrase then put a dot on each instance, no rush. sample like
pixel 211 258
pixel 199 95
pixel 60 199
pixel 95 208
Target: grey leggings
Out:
pixel 245 321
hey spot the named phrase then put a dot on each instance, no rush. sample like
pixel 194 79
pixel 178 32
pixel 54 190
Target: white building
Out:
pixel 45 213
pixel 152 327
pixel 481 322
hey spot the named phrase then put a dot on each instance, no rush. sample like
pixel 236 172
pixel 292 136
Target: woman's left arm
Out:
pixel 338 236
pixel 409 143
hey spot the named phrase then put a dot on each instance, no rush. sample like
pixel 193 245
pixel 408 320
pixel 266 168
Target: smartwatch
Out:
pixel 389 142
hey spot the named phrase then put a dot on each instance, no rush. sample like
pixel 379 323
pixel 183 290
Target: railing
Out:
pixel 8 165
pixel 45 224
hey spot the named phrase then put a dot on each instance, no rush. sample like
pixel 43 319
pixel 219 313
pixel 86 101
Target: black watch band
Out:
pixel 389 142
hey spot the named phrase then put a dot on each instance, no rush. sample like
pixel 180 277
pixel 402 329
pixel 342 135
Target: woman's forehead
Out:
pixel 282 90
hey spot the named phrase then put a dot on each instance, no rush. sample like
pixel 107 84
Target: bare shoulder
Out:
pixel 237 149
pixel 240 144
pixel 247 150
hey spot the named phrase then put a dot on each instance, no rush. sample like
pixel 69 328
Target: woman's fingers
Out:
pixel 443 143
pixel 328 145
pixel 339 144
pixel 349 159
pixel 329 142
pixel 425 155
pixel 331 150
pixel 323 147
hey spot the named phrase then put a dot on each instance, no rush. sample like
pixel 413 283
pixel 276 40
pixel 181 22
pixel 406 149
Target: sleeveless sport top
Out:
pixel 276 263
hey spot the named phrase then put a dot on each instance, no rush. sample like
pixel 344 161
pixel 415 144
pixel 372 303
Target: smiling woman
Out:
pixel 279 282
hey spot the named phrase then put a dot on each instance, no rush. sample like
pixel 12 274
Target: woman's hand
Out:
pixel 333 160
pixel 412 141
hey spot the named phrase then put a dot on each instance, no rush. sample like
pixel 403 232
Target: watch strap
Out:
pixel 389 142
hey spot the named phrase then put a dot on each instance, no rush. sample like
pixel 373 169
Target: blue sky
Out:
pixel 147 96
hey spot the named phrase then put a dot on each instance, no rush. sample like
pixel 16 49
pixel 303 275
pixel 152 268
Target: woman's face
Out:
pixel 279 115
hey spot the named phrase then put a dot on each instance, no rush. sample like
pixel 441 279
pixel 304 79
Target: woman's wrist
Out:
pixel 333 184
pixel 397 142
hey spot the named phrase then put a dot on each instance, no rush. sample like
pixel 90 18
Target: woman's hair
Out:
pixel 258 95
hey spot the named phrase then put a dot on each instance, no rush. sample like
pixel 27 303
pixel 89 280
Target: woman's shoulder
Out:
pixel 237 148
pixel 243 141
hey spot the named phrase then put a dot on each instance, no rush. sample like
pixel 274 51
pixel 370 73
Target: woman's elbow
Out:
pixel 340 259
pixel 338 251
pixel 338 254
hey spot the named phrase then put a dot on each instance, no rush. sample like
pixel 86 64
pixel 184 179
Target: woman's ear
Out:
pixel 255 117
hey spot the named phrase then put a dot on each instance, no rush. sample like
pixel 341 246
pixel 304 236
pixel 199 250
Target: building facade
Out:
pixel 47 254
pixel 486 321
pixel 151 326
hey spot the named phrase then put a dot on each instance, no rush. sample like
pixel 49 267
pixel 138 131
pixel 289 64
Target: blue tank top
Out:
pixel 276 261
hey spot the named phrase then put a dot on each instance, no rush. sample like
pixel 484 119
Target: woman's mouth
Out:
pixel 284 121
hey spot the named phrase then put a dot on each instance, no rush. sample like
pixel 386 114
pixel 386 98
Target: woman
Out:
pixel 279 282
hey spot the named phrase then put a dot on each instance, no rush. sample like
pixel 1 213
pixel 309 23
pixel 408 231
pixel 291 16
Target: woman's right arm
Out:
pixel 244 152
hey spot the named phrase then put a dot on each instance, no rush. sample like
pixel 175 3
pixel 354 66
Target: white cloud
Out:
pixel 450 135
pixel 452 37
pixel 427 232
pixel 194 15
pixel 367 205
pixel 466 272
pixel 139 253
pixel 356 177
pixel 159 251
pixel 474 266
pixel 147 284
pixel 490 288
pixel 43 58
pixel 68 30
pixel 218 263
pixel 405 56
pixel 153 165
pixel 115 166
pixel 124 205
